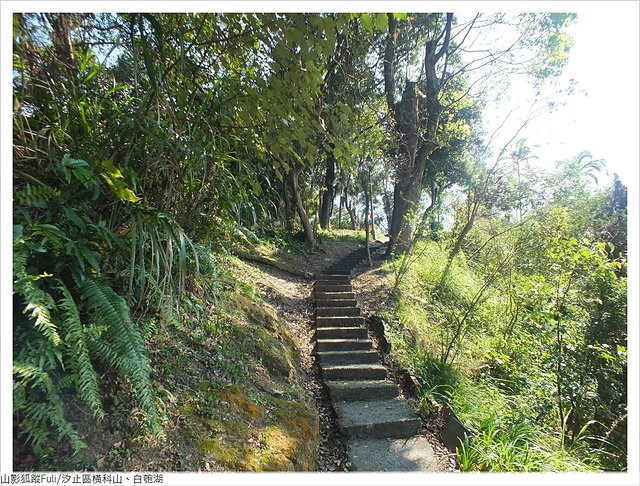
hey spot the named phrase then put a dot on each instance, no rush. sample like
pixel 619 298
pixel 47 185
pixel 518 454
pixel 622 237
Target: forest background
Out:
pixel 6 284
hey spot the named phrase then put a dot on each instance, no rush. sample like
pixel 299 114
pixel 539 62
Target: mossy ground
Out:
pixel 228 392
pixel 229 374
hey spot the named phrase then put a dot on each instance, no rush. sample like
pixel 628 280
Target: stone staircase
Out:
pixel 381 426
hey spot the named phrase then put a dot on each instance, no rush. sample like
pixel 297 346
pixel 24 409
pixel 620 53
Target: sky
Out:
pixel 602 115
pixel 603 120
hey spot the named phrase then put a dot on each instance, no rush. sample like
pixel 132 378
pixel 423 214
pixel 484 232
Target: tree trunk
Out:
pixel 373 218
pixel 414 145
pixel 349 207
pixel 465 231
pixel 405 203
pixel 387 207
pixel 433 219
pixel 302 212
pixel 289 205
pixel 328 192
pixel 367 197
pixel 62 25
pixel 352 213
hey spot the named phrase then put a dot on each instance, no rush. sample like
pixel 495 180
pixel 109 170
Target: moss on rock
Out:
pixel 236 396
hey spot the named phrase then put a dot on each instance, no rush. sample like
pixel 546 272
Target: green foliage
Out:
pixel 119 342
pixel 35 195
pixel 73 318
pixel 79 345
pixel 437 379
pixel 353 237
pixel 545 32
pixel 138 134
pixel 40 408
pixel 454 298
pixel 513 444
pixel 376 22
pixel 158 253
pixel 537 340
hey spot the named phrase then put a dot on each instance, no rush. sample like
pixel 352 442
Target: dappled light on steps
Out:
pixel 382 427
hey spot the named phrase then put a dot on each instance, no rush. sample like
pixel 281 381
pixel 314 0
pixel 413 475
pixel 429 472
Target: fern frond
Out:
pixel 29 374
pixel 20 256
pixel 35 195
pixel 35 416
pixel 121 345
pixel 78 353
pixel 39 304
pixel 51 234
pixel 65 429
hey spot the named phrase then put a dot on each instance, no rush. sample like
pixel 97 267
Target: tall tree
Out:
pixel 533 44
pixel 416 142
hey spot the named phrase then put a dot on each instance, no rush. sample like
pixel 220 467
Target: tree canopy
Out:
pixel 141 138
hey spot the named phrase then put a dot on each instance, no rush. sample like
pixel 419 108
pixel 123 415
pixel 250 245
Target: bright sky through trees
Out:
pixel 602 114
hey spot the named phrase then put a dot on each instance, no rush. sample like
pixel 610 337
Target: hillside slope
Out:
pixel 235 380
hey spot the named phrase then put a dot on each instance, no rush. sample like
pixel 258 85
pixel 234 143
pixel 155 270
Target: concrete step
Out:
pixel 343 344
pixel 357 371
pixel 380 424
pixel 377 418
pixel 336 303
pixel 348 321
pixel 333 288
pixel 327 277
pixel 340 271
pixel 343 391
pixel 337 311
pixel 334 295
pixel 333 358
pixel 403 455
pixel 342 332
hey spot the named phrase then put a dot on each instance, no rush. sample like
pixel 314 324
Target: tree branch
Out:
pixel 389 64
pixel 447 37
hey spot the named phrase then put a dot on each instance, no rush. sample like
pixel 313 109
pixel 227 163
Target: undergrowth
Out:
pixel 452 329
pixel 226 392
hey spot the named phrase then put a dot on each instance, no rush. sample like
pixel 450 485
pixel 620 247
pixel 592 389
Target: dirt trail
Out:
pixel 290 295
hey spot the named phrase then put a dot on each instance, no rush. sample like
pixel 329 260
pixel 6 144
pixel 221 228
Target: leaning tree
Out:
pixel 449 51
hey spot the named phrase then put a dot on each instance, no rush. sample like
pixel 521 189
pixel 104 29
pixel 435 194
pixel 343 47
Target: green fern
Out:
pixel 112 336
pixel 39 306
pixel 20 257
pixel 32 385
pixel 36 196
pixel 74 318
pixel 78 353
pixel 121 344
pixel 51 235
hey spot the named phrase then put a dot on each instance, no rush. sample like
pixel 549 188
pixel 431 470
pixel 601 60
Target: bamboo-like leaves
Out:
pixel 158 256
